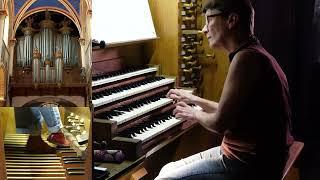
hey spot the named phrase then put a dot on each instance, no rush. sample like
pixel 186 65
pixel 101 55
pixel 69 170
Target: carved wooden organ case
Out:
pixel 47 62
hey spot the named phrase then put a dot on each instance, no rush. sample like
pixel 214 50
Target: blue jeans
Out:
pixel 209 164
pixel 50 115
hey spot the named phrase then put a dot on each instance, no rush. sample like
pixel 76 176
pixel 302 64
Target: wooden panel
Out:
pixel 79 90
pixel 71 76
pixel 116 58
pixel 7 120
pixel 293 174
pixel 2 155
pixel 164 51
pixel 213 73
pixel 88 163
pixel 2 83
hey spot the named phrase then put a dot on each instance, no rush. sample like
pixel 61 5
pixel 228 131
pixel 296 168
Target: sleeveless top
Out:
pixel 263 125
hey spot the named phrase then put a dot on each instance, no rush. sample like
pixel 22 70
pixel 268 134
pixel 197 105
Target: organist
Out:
pixel 253 114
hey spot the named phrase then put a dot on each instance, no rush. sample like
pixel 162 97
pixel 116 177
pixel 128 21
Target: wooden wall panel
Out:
pixel 164 51
pixel 116 58
pixel 2 84
pixel 2 155
pixel 213 72
pixel 8 122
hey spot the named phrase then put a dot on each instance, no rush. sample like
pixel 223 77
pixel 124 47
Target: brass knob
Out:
pixel 187 58
pixel 192 63
pixel 194 50
pixel 197 68
pixel 187 70
pixel 188 5
pixel 188 18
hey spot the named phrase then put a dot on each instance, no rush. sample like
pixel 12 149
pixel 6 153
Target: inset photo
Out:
pixel 45 53
pixel 45 143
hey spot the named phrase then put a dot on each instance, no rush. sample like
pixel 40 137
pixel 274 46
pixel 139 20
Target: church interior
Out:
pixel 170 51
pixel 45 53
pixel 45 62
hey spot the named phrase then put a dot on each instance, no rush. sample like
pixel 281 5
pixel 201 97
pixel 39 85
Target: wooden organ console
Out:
pixel 69 163
pixel 130 108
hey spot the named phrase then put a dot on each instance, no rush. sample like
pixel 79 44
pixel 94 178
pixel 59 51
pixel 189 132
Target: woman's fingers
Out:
pixel 182 104
pixel 172 91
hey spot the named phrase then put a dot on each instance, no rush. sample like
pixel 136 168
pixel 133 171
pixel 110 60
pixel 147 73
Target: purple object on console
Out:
pixel 109 156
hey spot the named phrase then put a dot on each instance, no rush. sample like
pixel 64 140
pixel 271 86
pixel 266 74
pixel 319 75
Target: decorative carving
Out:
pixel 58 54
pixel 47 15
pixel 82 41
pixel 28 30
pixel 83 73
pixel 47 22
pixel 47 62
pixel 89 12
pixel 36 54
pixel 3 12
pixel 65 26
pixel 12 42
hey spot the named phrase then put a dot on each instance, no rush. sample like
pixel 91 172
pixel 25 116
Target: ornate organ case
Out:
pixel 48 62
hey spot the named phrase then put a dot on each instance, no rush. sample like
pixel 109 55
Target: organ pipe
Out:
pixel 59 68
pixel 47 71
pixel 36 67
pixel 27 54
pixel 65 31
pixel 47 37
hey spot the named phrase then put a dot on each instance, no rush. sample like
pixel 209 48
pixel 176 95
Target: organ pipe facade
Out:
pixel 48 50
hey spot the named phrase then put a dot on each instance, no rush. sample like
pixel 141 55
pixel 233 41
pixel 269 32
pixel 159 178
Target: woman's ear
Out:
pixel 233 20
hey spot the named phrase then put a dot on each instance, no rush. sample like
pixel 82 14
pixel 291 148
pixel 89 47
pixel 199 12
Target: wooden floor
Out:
pixel 21 165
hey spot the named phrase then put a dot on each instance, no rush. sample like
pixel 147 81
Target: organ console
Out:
pixel 130 108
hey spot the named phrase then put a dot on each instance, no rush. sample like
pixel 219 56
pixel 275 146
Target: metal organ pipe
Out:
pixel 27 54
pixel 47 37
pixel 66 40
pixel 59 68
pixel 36 67
pixel 47 71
